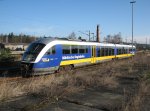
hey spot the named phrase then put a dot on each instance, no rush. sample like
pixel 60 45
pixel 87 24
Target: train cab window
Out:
pixel 51 51
pixel 66 49
pixel 74 49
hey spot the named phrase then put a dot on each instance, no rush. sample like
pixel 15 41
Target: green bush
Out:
pixel 5 55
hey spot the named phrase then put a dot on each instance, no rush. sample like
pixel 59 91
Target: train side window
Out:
pixel 112 50
pixel 117 51
pixel 66 49
pixel 131 50
pixel 126 50
pixel 82 49
pixel 98 52
pixel 106 51
pixel 74 49
pixel 120 51
pixel 86 49
pixel 103 52
pixel 51 51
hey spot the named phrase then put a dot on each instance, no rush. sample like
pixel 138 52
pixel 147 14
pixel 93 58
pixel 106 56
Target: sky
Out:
pixel 62 17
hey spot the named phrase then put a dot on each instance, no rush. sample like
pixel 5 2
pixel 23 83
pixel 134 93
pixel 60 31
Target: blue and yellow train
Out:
pixel 48 55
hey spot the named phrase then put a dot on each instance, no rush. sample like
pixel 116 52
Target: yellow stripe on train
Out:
pixel 68 62
pixel 93 60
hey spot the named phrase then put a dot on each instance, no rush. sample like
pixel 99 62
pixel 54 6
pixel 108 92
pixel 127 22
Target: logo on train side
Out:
pixel 73 57
pixel 45 59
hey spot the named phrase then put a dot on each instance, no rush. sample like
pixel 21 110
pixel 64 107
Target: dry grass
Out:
pixel 136 103
pixel 9 90
pixel 55 87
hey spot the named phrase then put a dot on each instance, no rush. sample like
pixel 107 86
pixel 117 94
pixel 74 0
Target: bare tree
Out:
pixel 72 36
pixel 116 38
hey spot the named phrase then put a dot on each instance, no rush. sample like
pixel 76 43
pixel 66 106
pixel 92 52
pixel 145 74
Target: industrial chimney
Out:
pixel 97 34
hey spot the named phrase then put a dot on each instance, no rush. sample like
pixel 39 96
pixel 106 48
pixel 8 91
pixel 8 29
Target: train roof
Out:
pixel 78 42
pixel 44 40
pixel 49 42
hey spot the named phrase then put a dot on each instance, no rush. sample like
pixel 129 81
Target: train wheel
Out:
pixel 61 69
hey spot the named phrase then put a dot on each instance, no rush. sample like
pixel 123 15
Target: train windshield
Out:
pixel 32 51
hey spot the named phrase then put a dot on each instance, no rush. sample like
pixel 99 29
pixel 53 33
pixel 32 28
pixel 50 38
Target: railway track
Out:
pixel 15 75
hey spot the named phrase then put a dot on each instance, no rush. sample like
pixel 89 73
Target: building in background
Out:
pixel 16 46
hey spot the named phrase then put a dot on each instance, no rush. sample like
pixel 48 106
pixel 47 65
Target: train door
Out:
pixel 56 57
pixel 93 54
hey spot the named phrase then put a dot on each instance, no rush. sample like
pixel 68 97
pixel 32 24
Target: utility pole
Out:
pixel 132 22
pixel 89 35
pixel 97 34
pixel 93 36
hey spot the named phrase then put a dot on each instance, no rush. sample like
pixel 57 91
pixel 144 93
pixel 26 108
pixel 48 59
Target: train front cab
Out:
pixel 49 62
